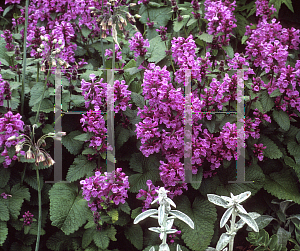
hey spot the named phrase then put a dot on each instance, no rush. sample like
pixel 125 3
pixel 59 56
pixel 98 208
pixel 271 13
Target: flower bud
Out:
pixel 43 68
pixel 40 157
pixel 132 4
pixel 110 21
pixel 137 16
pixel 59 41
pixel 53 63
pixel 62 47
pixel 38 50
pixel 46 39
pixel 54 41
pixel 92 8
pixel 12 138
pixel 42 38
pixel 60 61
pixel 58 50
pixel 42 46
pixel 29 154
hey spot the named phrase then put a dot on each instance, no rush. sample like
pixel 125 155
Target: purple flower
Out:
pixel 118 54
pixel 12 1
pixel 149 196
pixel 263 9
pixel 258 152
pixel 162 32
pixel 138 44
pixel 8 39
pixel 5 195
pixel 27 218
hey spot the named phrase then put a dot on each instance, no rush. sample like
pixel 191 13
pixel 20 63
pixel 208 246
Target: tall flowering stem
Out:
pixel 24 57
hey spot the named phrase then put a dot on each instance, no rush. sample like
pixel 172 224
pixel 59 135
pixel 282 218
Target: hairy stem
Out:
pixel 232 230
pixel 24 57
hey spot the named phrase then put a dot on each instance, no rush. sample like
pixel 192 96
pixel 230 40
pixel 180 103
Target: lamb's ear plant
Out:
pixel 234 209
pixel 164 220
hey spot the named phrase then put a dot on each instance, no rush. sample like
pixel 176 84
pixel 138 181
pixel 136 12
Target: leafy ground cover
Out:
pixel 84 148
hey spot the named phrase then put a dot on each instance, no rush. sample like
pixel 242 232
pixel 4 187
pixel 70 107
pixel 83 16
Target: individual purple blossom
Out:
pixel 257 83
pixel 12 1
pixel 5 195
pixel 118 53
pixel 113 186
pixel 162 31
pixel 150 24
pixel 138 44
pixel 28 218
pixel 171 237
pixel 258 152
pixel 240 62
pixel 149 195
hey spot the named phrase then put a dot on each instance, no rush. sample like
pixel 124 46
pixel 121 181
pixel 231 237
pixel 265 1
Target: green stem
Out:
pixel 40 209
pixel 114 54
pixel 24 58
pixel 38 111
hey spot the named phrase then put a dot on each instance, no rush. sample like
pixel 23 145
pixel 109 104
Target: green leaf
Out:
pixel 80 51
pixel 178 25
pixel 244 38
pixel 134 234
pixel 114 214
pixel 68 210
pixel 272 151
pixel 87 237
pixel 293 148
pixel 85 31
pixel 3 232
pixel 136 163
pixel 89 150
pixel 73 146
pixel 206 37
pixel 80 168
pixel 46 106
pixel 125 207
pixel 36 93
pixel 135 212
pixel 18 194
pixel 138 99
pixel 282 119
pixel 283 185
pixel 266 101
pixel 289 4
pixel 4 176
pixel 191 21
pixel 228 49
pixel 4 212
pixel 78 100
pixel 275 93
pixel 84 136
pixel 138 181
pixel 161 16
pixel 130 70
pixel 7 10
pixel 123 137
pixel 197 179
pixel 157 49
pixel 203 214
pixel 101 239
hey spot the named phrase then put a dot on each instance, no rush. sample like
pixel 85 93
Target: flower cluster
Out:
pixel 4 90
pixel 220 19
pixel 12 1
pixel 106 189
pixel 172 237
pixel 27 218
pixel 258 152
pixel 263 9
pixel 8 39
pixel 149 196
pixel 138 44
pixel 10 125
pixel 118 53
pixel 196 8
pixel 5 195
pixel 162 31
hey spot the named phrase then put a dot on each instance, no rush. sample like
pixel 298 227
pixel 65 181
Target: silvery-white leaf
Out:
pixel 154 216
pixel 243 196
pixel 164 247
pixel 171 231
pixel 254 215
pixel 239 224
pixel 241 209
pixel 152 249
pixel 283 236
pixel 210 249
pixel 155 229
pixel 262 221
pixel 284 205
pixel 169 224
pixel 225 249
pixel 249 221
pixel 171 202
pixel 156 200
pixel 296 216
pixel 232 196
pixel 227 227
pixel 223 241
pixel 227 199
pixel 144 215
pixel 217 200
pixel 171 217
pixel 161 214
pixel 178 248
pixel 183 217
pixel 226 216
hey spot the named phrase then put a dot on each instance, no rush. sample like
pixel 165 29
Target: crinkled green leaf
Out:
pixel 73 146
pixel 36 93
pixel 134 234
pixel 161 16
pixel 293 148
pixel 3 232
pixel 206 37
pixel 4 176
pixel 272 151
pixel 157 49
pixel 266 101
pixel 80 168
pixel 101 239
pixel 68 209
pixel 282 119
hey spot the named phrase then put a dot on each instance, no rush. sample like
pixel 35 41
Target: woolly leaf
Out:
pixel 181 216
pixel 134 234
pixel 249 221
pixel 272 151
pixel 223 241
pixel 266 101
pixel 80 168
pixel 282 119
pixel 73 146
pixel 157 49
pixel 4 176
pixel 101 239
pixel 144 215
pixel 68 210
pixel 204 215
pixel 3 232
pixel 18 194
pixel 226 216
pixel 217 200
pixel 283 236
pixel 283 185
